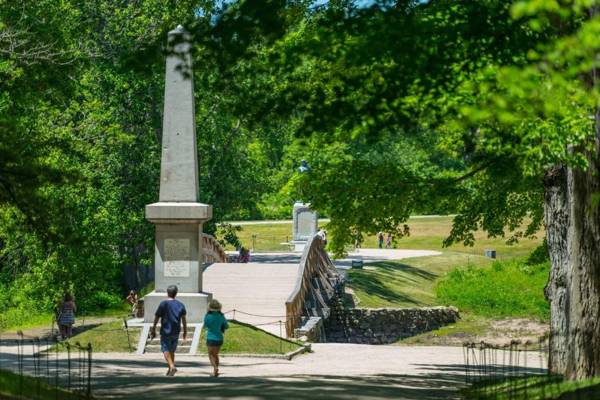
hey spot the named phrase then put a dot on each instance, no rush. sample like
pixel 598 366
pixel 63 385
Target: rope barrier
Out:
pixel 254 315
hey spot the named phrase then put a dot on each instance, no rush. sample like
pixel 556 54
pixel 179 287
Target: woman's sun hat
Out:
pixel 214 305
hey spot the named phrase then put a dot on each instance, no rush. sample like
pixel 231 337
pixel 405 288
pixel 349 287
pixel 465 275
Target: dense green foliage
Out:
pixel 399 107
pixel 423 106
pixel 506 289
pixel 81 88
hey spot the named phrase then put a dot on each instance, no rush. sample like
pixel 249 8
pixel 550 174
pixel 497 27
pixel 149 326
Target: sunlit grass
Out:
pixel 239 339
pixel 535 388
pixel 13 319
pixel 507 289
pixel 13 386
pixel 406 283
pixel 425 233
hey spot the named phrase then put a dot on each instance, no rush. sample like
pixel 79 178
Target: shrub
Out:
pixel 100 301
pixel 507 289
pixel 539 255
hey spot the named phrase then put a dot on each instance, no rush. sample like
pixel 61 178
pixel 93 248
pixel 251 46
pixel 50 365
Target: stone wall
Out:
pixel 385 325
pixel 313 330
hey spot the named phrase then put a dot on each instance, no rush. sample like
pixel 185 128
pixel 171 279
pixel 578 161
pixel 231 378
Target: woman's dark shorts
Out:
pixel 214 343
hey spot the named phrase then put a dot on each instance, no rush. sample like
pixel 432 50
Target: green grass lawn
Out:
pixel 267 237
pixel 13 386
pixel 13 319
pixel 406 283
pixel 494 290
pixel 535 388
pixel 242 338
pixel 507 289
pixel 425 233
pixel 239 339
pixel 106 338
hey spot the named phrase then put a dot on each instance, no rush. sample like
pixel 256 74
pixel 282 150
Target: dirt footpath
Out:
pixel 332 371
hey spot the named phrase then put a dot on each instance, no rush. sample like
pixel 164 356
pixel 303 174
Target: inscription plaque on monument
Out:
pixel 177 258
pixel 306 224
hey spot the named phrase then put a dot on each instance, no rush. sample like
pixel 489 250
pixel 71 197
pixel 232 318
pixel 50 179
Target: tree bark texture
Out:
pixel 572 219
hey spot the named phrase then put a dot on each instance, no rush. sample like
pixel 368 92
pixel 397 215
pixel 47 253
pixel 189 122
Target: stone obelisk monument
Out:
pixel 178 216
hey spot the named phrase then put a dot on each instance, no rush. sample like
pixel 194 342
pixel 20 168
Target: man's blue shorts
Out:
pixel 168 343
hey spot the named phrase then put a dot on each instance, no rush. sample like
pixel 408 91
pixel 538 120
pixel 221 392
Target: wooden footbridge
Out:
pixel 281 299
pixel 277 298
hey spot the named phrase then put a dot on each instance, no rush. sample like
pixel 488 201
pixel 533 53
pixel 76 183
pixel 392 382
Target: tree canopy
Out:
pixel 478 108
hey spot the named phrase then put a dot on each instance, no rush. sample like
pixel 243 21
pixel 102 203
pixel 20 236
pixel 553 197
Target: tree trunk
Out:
pixel 572 218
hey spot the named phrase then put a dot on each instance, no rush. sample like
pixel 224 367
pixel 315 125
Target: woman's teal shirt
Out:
pixel 215 324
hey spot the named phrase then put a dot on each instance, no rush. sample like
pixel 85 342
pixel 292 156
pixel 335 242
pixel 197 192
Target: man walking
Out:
pixel 171 313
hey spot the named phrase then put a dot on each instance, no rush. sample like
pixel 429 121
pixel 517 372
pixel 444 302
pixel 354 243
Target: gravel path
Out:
pixel 332 371
pixel 366 255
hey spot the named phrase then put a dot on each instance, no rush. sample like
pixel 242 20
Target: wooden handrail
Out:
pixel 212 251
pixel 315 269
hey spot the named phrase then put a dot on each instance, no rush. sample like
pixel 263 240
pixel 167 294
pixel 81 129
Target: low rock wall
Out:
pixel 386 325
pixel 312 330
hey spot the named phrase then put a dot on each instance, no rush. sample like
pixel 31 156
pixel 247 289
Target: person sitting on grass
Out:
pixel 172 314
pixel 66 316
pixel 215 324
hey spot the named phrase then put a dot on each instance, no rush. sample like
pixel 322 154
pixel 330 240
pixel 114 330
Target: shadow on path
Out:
pixel 302 387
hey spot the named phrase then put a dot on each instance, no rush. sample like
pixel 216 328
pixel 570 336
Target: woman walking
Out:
pixel 215 324
pixel 66 316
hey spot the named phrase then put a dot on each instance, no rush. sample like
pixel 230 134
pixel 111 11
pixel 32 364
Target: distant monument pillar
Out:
pixel 306 220
pixel 178 216
pixel 305 225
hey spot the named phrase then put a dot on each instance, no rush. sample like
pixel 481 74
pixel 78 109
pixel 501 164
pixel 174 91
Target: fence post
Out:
pixel 89 377
pixel 68 365
pixel 127 331
pixel 20 361
pixel 280 339
pixel 36 364
pixel 56 369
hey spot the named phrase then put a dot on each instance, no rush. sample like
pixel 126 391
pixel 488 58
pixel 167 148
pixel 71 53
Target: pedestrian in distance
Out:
pixel 66 316
pixel 172 316
pixel 358 241
pixel 380 240
pixel 216 325
pixel 133 299
pixel 388 241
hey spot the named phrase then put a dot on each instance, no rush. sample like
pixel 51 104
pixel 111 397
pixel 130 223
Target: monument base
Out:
pixel 196 305
pixel 299 245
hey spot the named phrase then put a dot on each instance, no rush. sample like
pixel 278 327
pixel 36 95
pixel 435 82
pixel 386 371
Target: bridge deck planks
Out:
pixel 253 288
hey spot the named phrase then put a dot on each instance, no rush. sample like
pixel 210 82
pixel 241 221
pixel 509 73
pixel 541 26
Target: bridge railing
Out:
pixel 212 251
pixel 317 283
